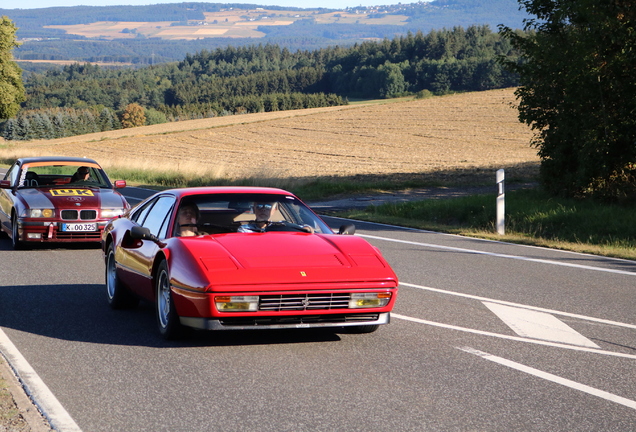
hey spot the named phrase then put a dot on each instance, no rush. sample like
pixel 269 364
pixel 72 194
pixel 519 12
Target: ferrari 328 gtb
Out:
pixel 232 258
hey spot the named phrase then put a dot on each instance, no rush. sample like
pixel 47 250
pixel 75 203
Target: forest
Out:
pixel 83 98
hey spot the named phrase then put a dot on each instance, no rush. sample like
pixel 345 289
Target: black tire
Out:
pixel 167 318
pixel 119 297
pixel 15 241
pixel 361 329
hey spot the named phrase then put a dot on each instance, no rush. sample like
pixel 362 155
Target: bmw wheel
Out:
pixel 15 234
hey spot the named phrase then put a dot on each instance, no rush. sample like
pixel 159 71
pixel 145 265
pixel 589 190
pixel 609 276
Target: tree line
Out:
pixel 578 93
pixel 257 78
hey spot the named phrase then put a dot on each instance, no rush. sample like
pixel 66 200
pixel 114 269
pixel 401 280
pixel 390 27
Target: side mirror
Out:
pixel 348 229
pixel 142 233
pixel 5 184
pixel 120 184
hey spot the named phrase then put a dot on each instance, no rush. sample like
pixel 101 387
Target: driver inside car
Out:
pixel 82 174
pixel 262 211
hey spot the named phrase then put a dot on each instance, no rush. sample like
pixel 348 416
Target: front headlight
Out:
pixel 111 213
pixel 369 300
pixel 236 303
pixel 41 213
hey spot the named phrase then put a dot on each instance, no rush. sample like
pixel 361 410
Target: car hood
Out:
pixel 280 258
pixel 71 198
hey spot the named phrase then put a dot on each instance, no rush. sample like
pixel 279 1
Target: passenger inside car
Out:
pixel 187 220
pixel 31 179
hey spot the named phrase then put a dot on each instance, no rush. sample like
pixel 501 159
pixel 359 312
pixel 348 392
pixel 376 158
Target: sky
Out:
pixel 335 4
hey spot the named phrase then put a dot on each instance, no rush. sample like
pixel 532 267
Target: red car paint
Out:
pixel 305 275
pixel 78 209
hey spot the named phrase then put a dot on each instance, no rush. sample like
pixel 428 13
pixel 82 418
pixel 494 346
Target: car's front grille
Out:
pixel 302 319
pixel 71 235
pixel 79 215
pixel 295 302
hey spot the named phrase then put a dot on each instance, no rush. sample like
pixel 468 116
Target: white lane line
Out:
pixel 498 255
pixel 514 338
pixel 41 395
pixel 551 311
pixel 539 325
pixel 553 378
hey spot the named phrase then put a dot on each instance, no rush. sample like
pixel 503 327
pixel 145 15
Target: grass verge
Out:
pixel 312 189
pixel 10 417
pixel 532 218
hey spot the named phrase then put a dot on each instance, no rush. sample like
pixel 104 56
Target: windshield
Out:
pixel 224 213
pixel 62 175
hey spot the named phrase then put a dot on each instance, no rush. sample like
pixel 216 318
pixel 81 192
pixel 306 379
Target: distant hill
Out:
pixel 144 35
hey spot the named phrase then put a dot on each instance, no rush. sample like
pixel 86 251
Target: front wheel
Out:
pixel 361 329
pixel 167 318
pixel 119 297
pixel 15 234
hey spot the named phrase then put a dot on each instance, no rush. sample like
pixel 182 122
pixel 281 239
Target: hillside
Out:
pixel 161 33
pixel 405 138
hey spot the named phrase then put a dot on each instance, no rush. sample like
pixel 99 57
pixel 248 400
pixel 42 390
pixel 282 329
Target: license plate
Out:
pixel 79 227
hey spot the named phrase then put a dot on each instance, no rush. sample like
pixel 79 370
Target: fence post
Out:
pixel 501 204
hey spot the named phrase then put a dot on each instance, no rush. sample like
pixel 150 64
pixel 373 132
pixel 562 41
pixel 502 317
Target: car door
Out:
pixel 136 259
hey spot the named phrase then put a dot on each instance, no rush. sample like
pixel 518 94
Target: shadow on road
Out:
pixel 81 313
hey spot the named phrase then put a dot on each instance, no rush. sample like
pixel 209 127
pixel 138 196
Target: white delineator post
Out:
pixel 501 206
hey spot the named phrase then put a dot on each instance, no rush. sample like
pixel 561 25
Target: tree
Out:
pixel 578 92
pixel 133 116
pixel 391 80
pixel 11 87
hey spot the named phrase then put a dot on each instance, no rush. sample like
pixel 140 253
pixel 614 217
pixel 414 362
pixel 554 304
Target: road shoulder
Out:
pixel 23 416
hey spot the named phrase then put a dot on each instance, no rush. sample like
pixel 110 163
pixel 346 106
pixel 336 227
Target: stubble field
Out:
pixel 461 133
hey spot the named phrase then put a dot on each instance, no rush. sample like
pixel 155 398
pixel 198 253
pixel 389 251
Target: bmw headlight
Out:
pixel 369 300
pixel 41 213
pixel 236 303
pixel 111 213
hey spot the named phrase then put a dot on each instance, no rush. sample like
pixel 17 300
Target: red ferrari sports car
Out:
pixel 231 258
pixel 58 199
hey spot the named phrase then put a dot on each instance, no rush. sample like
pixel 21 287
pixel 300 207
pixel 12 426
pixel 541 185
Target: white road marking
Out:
pixel 498 255
pixel 41 395
pixel 553 378
pixel 539 325
pixel 551 311
pixel 514 338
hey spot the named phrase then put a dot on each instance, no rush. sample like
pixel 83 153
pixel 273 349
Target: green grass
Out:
pixel 532 217
pixel 307 189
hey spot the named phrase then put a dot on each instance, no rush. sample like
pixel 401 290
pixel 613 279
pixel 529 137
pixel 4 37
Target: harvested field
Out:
pixel 234 22
pixel 471 131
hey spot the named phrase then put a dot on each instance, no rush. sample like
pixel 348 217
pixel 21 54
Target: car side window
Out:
pixel 158 217
pixel 12 174
pixel 139 214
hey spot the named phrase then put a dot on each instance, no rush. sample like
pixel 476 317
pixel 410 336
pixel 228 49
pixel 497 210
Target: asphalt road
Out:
pixel 485 336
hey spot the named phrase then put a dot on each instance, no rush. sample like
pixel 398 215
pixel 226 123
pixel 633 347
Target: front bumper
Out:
pixel 287 322
pixel 48 231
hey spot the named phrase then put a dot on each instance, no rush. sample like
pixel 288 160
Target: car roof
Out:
pixel 204 190
pixel 26 160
